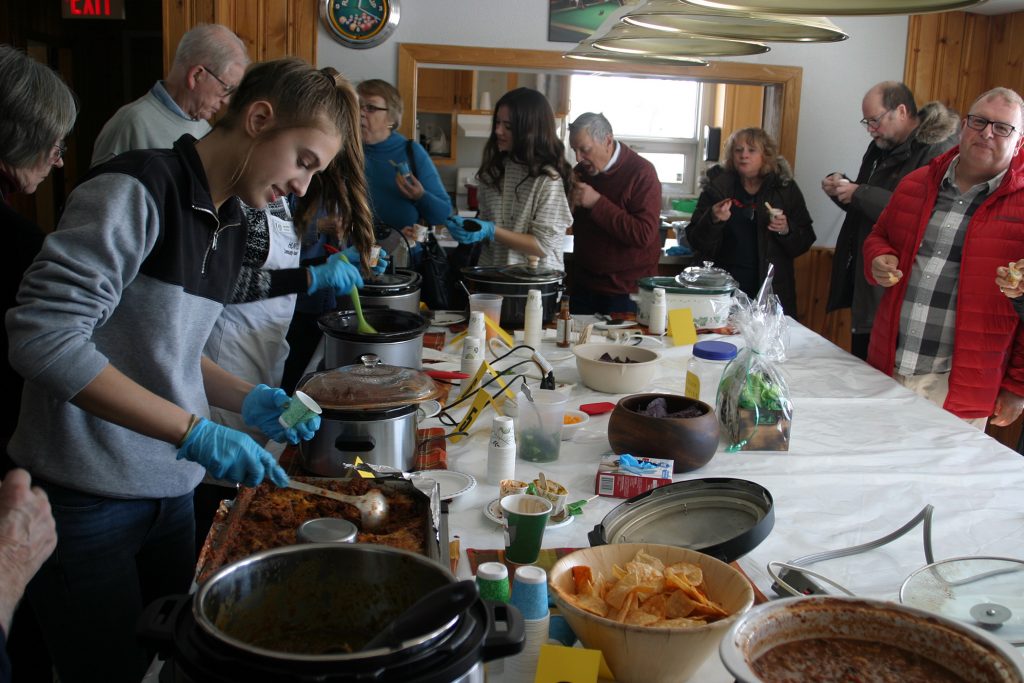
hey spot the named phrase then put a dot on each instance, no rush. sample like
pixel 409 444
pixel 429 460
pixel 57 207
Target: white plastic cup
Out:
pixel 420 232
pixel 490 306
pixel 539 426
pixel 299 409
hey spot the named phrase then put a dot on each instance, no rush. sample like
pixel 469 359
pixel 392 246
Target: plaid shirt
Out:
pixel 928 314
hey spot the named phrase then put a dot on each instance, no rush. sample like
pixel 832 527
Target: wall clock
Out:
pixel 359 23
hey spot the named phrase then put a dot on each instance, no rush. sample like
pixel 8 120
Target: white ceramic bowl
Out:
pixel 964 650
pixel 569 428
pixel 644 654
pixel 616 378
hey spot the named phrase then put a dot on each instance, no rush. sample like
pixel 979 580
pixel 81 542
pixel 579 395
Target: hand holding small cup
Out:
pixel 777 220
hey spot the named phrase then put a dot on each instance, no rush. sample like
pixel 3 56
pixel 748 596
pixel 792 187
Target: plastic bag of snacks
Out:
pixel 753 402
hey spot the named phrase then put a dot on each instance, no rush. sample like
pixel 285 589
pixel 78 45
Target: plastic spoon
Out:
pixel 362 326
pixel 431 612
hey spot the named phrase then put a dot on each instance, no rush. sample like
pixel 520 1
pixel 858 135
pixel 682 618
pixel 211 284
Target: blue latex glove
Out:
pixel 352 254
pixel 229 454
pixel 459 228
pixel 261 408
pixel 335 274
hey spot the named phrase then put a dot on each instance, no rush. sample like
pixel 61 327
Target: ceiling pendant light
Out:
pixel 837 7
pixel 632 40
pixel 589 54
pixel 673 16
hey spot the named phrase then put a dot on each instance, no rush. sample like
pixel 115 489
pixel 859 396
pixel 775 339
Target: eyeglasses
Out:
pixel 57 153
pixel 368 108
pixel 875 121
pixel 979 123
pixel 228 89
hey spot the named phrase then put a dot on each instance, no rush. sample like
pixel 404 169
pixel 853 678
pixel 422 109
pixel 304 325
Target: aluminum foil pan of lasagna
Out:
pixel 267 517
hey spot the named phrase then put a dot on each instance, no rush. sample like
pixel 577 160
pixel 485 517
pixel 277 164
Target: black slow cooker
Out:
pixel 201 642
pixel 513 283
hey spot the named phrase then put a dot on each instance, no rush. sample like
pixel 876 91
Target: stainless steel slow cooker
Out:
pixel 304 612
pixel 399 291
pixel 398 341
pixel 370 411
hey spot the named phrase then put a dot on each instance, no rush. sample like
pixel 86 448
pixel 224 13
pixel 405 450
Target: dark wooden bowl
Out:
pixel 689 442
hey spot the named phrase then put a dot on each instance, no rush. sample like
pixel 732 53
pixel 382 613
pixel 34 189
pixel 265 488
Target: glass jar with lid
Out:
pixel 704 371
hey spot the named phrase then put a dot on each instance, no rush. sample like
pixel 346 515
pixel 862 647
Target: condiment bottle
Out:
pixel 563 333
pixel 658 312
pixel 532 320
pixel 704 371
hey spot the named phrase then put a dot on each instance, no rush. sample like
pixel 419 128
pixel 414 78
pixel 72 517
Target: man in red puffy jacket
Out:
pixel 943 328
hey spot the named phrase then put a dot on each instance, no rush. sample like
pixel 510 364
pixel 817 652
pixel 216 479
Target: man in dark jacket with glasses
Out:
pixel 903 138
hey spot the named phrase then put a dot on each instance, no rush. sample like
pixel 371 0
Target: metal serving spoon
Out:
pixel 372 505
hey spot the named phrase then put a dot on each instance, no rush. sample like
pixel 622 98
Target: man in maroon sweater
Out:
pixel 616 213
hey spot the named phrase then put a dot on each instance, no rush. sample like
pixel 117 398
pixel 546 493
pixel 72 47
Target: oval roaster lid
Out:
pixel 370 384
pixel 724 518
pixel 987 592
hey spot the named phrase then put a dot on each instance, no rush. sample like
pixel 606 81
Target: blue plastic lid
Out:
pixel 714 350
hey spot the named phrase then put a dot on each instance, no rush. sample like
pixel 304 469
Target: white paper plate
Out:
pixel 452 483
pixel 492 509
pixel 446 318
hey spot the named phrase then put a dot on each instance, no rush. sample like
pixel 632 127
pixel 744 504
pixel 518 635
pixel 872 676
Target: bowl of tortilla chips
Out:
pixel 656 612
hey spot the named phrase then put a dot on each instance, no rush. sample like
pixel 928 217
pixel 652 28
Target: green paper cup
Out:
pixel 525 518
pixel 300 408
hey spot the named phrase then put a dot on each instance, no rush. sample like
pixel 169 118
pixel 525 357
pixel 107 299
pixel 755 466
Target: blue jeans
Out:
pixel 113 557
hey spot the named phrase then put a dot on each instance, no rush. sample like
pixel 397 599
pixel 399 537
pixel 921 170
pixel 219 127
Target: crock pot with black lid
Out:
pixel 399 290
pixel 722 517
pixel 301 613
pixel 370 411
pixel 513 283
pixel 398 340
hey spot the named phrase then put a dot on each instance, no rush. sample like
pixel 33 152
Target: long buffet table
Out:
pixel 866 455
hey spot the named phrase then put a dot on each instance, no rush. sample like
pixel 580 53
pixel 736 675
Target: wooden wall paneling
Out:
pixel 270 29
pixel 974 69
pixel 1005 58
pixel 934 56
pixel 813 272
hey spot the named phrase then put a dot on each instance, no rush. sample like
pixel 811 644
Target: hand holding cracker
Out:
pixel 1009 278
pixel 885 271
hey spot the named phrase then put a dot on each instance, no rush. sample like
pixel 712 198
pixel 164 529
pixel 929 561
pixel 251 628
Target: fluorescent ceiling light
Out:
pixel 632 40
pixel 838 7
pixel 673 16
pixel 585 53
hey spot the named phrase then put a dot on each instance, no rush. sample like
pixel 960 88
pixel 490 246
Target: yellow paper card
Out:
pixel 558 663
pixel 681 327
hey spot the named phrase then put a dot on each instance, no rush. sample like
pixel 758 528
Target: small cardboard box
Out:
pixel 610 481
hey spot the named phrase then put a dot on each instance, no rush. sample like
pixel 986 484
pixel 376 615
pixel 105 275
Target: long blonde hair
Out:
pixel 306 97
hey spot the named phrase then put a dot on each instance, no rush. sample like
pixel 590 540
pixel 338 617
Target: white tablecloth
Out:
pixel 865 456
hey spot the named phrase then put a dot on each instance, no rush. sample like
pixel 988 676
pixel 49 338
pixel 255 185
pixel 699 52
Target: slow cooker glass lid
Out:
pixel 706 277
pixel 369 384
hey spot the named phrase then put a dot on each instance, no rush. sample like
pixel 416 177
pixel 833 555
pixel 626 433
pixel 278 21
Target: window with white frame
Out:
pixel 659 118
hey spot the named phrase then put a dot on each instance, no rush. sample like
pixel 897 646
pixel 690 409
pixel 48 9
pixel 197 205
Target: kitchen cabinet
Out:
pixel 443 90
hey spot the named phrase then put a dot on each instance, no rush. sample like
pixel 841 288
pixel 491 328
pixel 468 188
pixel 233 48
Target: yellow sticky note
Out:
pixel 681 327
pixel 558 663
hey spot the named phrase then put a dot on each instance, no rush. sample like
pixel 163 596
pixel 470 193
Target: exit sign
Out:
pixel 92 9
